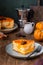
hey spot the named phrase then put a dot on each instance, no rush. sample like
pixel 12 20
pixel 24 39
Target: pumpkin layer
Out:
pixel 23 46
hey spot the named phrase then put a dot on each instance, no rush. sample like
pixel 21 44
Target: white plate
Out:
pixel 9 30
pixel 10 51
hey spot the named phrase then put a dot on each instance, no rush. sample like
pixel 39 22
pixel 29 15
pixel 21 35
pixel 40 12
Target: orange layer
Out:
pixel 24 49
pixel 6 19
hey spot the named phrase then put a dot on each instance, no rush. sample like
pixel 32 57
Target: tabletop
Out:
pixel 6 59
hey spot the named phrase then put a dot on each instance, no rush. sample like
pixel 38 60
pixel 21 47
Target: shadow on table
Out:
pixel 25 58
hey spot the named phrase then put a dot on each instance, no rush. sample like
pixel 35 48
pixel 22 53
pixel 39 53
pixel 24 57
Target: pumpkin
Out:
pixel 39 25
pixel 38 34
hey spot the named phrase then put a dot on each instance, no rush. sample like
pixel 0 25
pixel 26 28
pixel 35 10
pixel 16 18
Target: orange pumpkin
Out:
pixel 39 25
pixel 38 34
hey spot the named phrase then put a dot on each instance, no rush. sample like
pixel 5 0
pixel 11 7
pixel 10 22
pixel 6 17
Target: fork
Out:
pixel 37 50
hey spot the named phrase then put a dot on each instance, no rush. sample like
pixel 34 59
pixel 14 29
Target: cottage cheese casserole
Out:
pixel 6 23
pixel 23 46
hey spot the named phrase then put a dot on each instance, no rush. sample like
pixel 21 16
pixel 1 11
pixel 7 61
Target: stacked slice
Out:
pixel 23 46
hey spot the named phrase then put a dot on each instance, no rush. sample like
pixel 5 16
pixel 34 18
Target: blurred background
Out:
pixel 8 7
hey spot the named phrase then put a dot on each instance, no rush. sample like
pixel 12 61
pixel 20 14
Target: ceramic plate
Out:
pixel 9 30
pixel 10 51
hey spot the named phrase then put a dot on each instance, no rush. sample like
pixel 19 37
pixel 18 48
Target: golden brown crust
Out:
pixel 23 46
pixel 6 22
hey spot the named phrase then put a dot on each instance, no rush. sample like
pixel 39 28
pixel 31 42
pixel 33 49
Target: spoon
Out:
pixel 37 50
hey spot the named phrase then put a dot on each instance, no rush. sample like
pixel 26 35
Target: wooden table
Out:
pixel 6 59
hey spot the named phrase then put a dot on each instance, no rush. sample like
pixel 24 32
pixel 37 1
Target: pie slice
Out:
pixel 23 46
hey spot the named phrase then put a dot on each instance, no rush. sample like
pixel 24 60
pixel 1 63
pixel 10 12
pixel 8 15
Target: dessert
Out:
pixel 23 46
pixel 6 22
